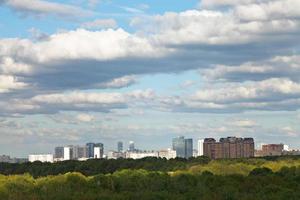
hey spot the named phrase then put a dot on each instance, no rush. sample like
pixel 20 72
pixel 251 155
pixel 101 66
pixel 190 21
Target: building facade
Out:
pixel 131 146
pixel 270 150
pixel 183 147
pixel 200 147
pixel 120 146
pixel 41 158
pixel 168 154
pixel 230 147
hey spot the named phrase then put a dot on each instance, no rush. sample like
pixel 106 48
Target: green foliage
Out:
pixel 154 179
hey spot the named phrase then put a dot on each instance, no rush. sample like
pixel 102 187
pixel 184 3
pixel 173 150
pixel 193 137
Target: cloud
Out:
pixel 100 24
pixel 76 101
pixel 124 81
pixel 271 89
pixel 82 59
pixel 85 118
pixel 42 8
pixel 8 83
pixel 276 67
pixel 244 123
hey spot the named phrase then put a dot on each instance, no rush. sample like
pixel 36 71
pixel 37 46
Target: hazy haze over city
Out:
pixel 78 71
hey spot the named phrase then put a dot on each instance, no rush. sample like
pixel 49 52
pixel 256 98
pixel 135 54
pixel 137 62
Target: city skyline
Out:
pixel 73 72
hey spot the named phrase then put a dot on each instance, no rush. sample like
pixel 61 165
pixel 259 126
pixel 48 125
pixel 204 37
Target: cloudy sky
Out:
pixel 75 71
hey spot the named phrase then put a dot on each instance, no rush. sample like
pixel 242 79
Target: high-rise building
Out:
pixel 79 152
pixel 272 149
pixel 183 147
pixel 120 146
pixel 178 145
pixel 131 146
pixel 188 148
pixel 230 147
pixel 90 150
pixel 59 153
pixel 68 153
pixel 98 150
pixel 200 147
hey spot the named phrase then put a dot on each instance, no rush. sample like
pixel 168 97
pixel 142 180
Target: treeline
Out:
pixel 194 165
pixel 100 166
pixel 261 183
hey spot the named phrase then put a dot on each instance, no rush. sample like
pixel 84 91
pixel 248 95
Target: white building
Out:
pixel 41 158
pixel 285 147
pixel 139 155
pixel 97 152
pixel 67 153
pixel 200 147
pixel 168 154
pixel 115 155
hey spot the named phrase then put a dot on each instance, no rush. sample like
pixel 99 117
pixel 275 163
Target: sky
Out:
pixel 78 71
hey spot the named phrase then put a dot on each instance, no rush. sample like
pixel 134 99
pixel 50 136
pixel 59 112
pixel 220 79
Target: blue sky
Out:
pixel 77 71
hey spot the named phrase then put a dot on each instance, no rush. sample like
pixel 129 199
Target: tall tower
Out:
pixel 120 146
pixel 98 150
pixel 131 146
pixel 200 147
pixel 90 150
pixel 183 147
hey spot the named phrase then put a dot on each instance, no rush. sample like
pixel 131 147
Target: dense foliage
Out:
pixel 100 166
pixel 147 179
pixel 262 183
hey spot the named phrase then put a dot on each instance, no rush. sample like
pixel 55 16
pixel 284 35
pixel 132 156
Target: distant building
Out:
pixel 131 146
pixel 183 147
pixel 230 147
pixel 41 158
pixel 8 159
pixel 270 150
pixel 188 148
pixel 120 146
pixel 98 150
pixel 79 152
pixel 168 154
pixel 200 147
pixel 5 159
pixel 115 155
pixel 139 155
pixel 68 153
pixel 90 150
pixel 59 153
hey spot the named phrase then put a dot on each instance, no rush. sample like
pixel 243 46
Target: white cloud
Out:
pixel 216 3
pixel 271 89
pixel 124 81
pixel 8 83
pixel 100 24
pixel 279 66
pixel 244 123
pixel 42 7
pixel 85 118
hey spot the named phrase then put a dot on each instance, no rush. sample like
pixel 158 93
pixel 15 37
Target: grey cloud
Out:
pixel 42 7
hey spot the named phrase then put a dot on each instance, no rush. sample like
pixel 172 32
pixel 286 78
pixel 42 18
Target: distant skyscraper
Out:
pixel 200 147
pixel 179 146
pixel 59 152
pixel 183 147
pixel 131 146
pixel 79 152
pixel 90 150
pixel 68 154
pixel 120 146
pixel 98 150
pixel 188 148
